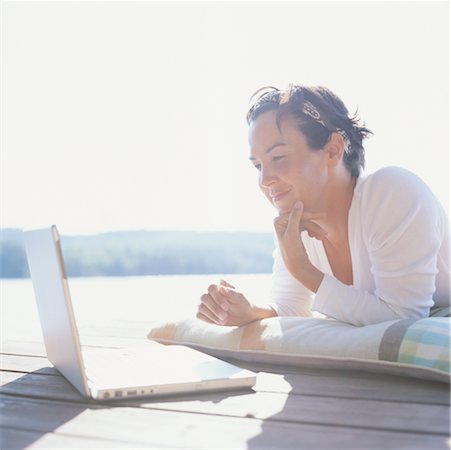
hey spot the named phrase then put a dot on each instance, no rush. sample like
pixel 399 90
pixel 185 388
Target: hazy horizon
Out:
pixel 130 116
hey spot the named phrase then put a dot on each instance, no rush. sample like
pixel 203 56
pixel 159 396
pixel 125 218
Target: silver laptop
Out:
pixel 108 374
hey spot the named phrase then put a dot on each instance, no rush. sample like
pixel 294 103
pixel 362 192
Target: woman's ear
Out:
pixel 335 149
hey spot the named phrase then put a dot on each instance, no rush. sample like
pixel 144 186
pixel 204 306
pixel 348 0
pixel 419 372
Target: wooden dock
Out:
pixel 296 409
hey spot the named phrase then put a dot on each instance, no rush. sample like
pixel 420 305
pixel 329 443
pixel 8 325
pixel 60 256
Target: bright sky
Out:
pixel 131 115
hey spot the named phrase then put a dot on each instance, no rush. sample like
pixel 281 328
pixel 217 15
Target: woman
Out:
pixel 357 249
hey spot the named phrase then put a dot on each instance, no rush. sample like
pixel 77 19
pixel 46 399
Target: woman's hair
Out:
pixel 319 113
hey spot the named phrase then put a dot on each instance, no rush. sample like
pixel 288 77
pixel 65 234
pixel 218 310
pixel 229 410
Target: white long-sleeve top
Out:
pixel 399 243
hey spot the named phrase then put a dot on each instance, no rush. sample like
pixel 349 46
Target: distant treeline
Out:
pixel 148 253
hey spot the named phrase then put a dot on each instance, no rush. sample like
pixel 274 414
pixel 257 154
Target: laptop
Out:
pixel 107 374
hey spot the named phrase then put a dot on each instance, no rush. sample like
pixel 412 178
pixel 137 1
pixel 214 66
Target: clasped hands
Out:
pixel 222 304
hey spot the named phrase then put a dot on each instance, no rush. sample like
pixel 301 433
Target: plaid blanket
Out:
pixel 423 342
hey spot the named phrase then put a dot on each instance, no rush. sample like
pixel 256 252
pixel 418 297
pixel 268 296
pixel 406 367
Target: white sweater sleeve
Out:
pixel 289 297
pixel 402 229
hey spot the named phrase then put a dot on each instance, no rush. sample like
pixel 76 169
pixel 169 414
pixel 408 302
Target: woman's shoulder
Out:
pixel 394 183
pixel 393 194
pixel 391 176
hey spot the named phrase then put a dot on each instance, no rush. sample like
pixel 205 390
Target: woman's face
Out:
pixel 289 170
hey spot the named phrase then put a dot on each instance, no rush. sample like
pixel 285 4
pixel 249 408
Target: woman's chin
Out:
pixel 283 207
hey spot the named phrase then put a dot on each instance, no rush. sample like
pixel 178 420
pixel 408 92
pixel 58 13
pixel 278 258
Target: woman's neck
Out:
pixel 337 205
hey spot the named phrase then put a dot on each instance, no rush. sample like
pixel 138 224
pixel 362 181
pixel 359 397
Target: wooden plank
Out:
pixel 23 347
pixel 38 386
pixel 180 430
pixel 358 385
pixel 37 348
pixel 403 417
pixel 117 328
pixel 27 364
pixel 263 405
pixel 350 384
pixel 312 382
pixel 17 439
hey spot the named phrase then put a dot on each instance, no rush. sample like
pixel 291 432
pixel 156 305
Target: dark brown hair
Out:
pixel 319 113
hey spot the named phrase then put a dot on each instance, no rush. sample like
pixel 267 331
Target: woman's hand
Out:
pixel 223 305
pixel 295 257
pixel 306 223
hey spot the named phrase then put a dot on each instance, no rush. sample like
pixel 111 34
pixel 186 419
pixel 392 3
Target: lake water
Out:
pixel 114 301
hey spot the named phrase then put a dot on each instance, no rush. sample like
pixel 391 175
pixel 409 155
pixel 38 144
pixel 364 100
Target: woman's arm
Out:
pixel 288 296
pixel 403 229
